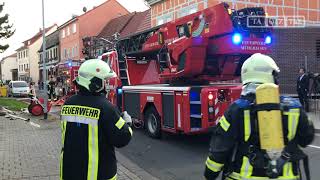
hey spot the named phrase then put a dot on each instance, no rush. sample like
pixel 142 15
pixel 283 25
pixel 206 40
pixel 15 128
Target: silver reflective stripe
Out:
pixel 80 119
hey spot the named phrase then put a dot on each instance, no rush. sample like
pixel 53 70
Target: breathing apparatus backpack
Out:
pixel 271 153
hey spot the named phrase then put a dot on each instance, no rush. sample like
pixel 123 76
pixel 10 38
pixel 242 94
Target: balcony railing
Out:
pixel 152 2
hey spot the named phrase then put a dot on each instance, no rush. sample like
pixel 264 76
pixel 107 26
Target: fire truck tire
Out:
pixel 152 123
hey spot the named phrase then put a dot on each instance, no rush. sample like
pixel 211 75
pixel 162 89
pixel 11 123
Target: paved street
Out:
pixel 182 158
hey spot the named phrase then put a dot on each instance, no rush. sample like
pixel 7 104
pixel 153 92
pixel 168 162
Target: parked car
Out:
pixel 18 88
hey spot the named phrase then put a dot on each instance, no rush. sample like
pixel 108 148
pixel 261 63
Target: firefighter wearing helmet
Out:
pixel 260 135
pixel 92 127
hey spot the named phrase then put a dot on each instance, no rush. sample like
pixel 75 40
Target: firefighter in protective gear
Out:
pixel 242 150
pixel 92 127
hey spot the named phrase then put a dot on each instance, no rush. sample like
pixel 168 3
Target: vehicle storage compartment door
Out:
pixel 132 104
pixel 168 110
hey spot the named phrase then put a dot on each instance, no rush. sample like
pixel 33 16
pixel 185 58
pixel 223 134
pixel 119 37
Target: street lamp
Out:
pixel 44 68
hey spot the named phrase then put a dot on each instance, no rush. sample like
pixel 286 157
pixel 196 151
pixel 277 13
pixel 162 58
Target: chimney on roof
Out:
pixel 73 16
pixel 84 9
pixel 40 29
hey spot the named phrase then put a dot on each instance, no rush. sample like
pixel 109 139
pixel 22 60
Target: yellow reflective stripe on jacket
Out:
pixel 287 170
pixel 63 133
pixel 237 176
pixel 213 166
pixel 224 123
pixel 246 168
pixel 293 121
pixel 120 123
pixel 93 148
pixel 247 125
pixel 113 178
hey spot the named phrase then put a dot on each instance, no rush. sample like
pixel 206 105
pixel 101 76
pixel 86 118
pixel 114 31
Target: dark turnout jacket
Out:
pixel 91 129
pixel 235 147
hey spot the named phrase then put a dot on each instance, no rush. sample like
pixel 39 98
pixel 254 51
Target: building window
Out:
pixel 318 49
pixel 26 53
pixel 68 31
pixel 74 28
pixel 65 53
pixel 164 18
pixel 28 42
pixel 188 10
pixel 24 66
pixel 63 34
pixel 50 57
pixel 76 50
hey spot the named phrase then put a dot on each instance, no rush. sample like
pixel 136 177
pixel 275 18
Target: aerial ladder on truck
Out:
pixel 180 77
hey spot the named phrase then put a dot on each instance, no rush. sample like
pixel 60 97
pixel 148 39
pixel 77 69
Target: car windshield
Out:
pixel 19 84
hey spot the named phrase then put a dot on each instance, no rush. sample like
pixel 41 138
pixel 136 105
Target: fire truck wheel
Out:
pixel 152 122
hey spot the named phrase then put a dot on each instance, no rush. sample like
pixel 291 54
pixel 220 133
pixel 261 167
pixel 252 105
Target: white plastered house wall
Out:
pixel 34 56
pixel 7 65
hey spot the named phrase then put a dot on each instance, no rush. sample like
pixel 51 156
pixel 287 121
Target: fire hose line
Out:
pixel 138 124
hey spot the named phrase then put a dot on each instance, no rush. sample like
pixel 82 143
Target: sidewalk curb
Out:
pixel 135 169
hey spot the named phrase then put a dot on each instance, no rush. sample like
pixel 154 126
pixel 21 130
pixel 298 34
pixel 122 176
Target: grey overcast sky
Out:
pixel 26 15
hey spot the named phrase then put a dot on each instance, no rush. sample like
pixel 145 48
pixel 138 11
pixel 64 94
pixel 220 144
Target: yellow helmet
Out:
pixel 93 73
pixel 259 68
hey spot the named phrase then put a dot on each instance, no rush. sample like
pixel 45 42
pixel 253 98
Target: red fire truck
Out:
pixel 180 77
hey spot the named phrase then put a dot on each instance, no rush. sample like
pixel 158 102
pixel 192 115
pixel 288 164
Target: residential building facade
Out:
pixel 52 56
pixel 9 68
pixel 28 57
pixel 88 24
pixel 163 11
pixel 23 63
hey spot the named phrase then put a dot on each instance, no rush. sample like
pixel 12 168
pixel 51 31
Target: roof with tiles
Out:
pixel 12 55
pixel 116 25
pixel 37 36
pixel 140 21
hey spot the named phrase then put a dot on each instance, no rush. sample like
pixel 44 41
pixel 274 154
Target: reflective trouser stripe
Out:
pixel 130 130
pixel 246 168
pixel 224 123
pixel 113 178
pixel 213 166
pixel 120 123
pixel 237 176
pixel 293 121
pixel 247 125
pixel 287 170
pixel 93 152
pixel 63 133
